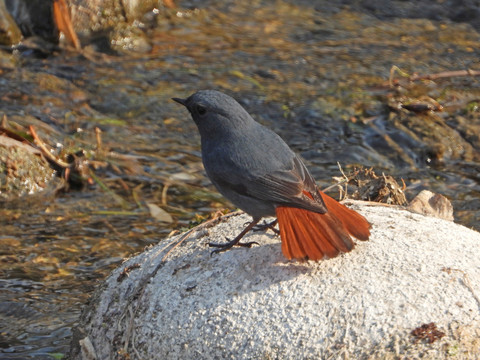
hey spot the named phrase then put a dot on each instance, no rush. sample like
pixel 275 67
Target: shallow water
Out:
pixel 316 75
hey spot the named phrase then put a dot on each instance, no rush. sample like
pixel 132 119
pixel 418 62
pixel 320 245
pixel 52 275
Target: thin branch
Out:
pixel 416 77
pixel 445 74
pixel 45 151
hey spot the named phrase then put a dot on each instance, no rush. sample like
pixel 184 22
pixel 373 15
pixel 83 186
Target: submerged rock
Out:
pixel 415 281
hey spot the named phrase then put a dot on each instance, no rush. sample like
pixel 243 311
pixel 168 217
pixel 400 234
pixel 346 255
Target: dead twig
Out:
pixel 63 21
pixel 4 121
pixel 166 185
pixel 445 74
pixel 345 191
pixel 416 77
pixel 368 203
pixel 346 180
pixel 98 137
pixel 43 148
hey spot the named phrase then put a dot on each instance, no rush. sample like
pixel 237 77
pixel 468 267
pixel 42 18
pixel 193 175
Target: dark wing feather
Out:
pixel 289 188
pixel 286 187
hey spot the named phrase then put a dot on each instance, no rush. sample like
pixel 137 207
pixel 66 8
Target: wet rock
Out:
pixel 129 38
pixel 459 11
pixel 429 203
pixel 7 61
pixel 432 137
pixel 118 25
pixel 254 304
pixel 22 169
pixel 105 23
pixel 10 34
pixel 95 15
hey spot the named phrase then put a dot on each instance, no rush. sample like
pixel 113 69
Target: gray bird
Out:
pixel 256 170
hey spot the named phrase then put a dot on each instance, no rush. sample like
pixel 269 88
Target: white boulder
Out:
pixel 182 303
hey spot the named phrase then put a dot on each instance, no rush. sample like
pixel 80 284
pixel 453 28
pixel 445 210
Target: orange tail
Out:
pixel 356 224
pixel 306 234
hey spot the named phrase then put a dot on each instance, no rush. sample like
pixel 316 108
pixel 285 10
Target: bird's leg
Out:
pixel 265 226
pixel 236 241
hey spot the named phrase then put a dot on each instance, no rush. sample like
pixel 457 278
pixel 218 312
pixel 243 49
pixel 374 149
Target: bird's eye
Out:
pixel 201 110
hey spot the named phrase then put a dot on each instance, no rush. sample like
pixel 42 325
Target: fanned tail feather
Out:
pixel 356 224
pixel 307 234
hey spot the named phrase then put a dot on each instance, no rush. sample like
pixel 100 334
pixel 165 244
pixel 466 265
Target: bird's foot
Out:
pixel 236 241
pixel 266 226
pixel 228 245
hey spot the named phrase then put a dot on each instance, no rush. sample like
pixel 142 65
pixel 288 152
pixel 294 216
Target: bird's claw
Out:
pixel 267 226
pixel 248 244
pixel 229 245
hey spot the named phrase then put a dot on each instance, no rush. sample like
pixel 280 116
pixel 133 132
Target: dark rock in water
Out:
pixel 17 310
pixel 34 18
pixel 37 47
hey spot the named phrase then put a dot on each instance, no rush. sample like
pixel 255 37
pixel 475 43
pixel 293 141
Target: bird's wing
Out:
pixel 291 185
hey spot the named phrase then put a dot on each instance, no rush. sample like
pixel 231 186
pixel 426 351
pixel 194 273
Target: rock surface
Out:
pixel 429 203
pixel 180 302
pixel 9 32
pixel 23 171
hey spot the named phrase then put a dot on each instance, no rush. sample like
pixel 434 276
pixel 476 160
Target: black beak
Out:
pixel 180 101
